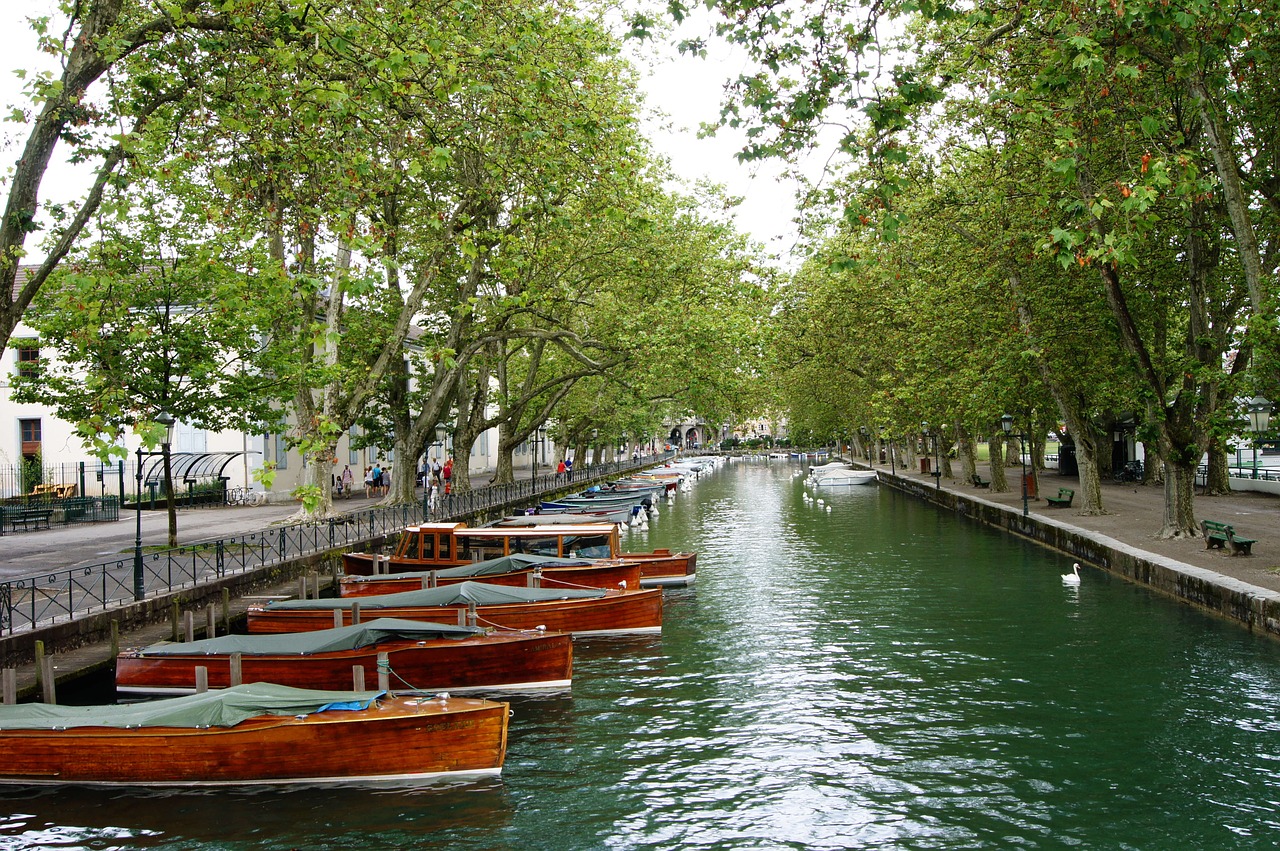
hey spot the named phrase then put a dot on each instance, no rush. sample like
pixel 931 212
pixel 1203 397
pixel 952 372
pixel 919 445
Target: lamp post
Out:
pixel 1259 422
pixel 139 577
pixel 167 420
pixel 866 446
pixel 1006 423
pixel 539 435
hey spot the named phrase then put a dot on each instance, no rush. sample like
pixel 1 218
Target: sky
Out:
pixel 686 89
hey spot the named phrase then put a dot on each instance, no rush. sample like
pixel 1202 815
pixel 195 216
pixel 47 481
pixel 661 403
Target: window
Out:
pixel 275 451
pixel 353 454
pixel 28 359
pixel 30 431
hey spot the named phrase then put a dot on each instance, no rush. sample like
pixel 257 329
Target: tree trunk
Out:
pixel 1179 502
pixel 1218 480
pixel 995 450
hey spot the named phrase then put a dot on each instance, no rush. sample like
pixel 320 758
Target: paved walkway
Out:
pixel 1137 513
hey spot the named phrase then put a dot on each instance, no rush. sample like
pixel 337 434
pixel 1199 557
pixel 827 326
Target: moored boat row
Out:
pixel 492 609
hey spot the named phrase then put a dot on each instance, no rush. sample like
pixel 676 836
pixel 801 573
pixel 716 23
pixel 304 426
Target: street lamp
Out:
pixel 1259 422
pixel 139 578
pixel 1006 423
pixel 539 435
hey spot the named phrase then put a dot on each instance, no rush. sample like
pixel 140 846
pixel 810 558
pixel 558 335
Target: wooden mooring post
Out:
pixel 188 627
pixel 210 622
pixel 9 686
pixel 357 677
pixel 237 671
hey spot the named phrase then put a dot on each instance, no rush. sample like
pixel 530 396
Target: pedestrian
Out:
pixel 561 470
pixel 368 481
pixel 447 473
pixel 345 481
pixel 377 477
pixel 436 470
pixel 568 469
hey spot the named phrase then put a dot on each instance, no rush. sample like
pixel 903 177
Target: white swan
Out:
pixel 1072 578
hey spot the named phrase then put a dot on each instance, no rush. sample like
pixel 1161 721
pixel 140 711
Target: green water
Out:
pixel 875 676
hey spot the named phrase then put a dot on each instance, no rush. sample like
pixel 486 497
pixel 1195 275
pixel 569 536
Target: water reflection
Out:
pixel 880 675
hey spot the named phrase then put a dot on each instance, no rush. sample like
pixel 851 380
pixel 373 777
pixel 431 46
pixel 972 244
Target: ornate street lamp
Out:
pixel 1259 422
pixel 1006 423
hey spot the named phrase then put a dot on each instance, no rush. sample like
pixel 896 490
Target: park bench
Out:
pixel 12 515
pixel 1062 500
pixel 979 482
pixel 1218 535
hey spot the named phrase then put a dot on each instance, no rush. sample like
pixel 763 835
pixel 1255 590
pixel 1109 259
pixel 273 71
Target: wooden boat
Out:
pixel 433 546
pixel 521 571
pixel 580 611
pixel 555 512
pixel 253 734
pixel 417 655
pixel 662 568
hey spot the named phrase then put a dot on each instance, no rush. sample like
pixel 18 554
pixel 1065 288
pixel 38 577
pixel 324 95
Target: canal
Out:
pixel 875 675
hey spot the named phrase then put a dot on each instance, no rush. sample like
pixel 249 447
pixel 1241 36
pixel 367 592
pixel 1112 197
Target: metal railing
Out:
pixel 66 594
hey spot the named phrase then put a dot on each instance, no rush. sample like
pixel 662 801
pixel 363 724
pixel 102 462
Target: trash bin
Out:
pixel 1029 482
pixel 924 466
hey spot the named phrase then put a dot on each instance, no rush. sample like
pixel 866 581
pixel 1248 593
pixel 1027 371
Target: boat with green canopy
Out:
pixel 402 653
pixel 581 611
pixel 253 734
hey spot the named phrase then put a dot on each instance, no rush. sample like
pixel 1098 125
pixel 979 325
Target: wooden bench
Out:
pixel 1062 500
pixel 1218 535
pixel 11 516
pixel 979 482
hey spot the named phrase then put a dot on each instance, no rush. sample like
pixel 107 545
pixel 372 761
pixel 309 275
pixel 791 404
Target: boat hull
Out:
pixel 607 575
pixel 638 611
pixel 500 662
pixel 396 740
pixel 663 568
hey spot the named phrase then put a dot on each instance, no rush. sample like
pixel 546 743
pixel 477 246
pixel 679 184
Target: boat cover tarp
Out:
pixel 219 708
pixel 509 564
pixel 460 594
pixel 320 641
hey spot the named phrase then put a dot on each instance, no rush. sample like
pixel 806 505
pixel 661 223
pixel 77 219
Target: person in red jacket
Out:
pixel 447 472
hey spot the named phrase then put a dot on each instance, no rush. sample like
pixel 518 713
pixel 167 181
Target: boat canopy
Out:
pixel 508 564
pixel 460 594
pixel 219 708
pixel 320 641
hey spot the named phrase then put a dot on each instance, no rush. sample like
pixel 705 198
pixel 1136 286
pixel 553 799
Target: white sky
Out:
pixel 687 90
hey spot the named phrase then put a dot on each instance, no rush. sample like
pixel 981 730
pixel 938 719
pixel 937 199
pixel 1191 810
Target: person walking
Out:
pixel 345 481
pixel 561 469
pixel 447 472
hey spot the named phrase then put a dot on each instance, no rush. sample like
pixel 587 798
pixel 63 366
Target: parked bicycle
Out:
pixel 245 496
pixel 1131 472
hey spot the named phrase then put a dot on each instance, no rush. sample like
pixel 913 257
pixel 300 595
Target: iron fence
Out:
pixel 61 595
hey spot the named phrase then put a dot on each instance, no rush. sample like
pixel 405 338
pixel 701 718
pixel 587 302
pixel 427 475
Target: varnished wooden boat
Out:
pixel 580 611
pixel 254 734
pixel 421 656
pixel 662 568
pixel 522 571
pixel 431 546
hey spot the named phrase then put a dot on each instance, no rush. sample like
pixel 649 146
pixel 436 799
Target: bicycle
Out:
pixel 1130 472
pixel 244 496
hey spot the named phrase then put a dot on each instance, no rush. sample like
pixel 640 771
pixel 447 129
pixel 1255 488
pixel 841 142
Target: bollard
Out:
pixel 357 677
pixel 39 663
pixel 188 627
pixel 173 619
pixel 115 639
pixel 462 617
pixel 302 587
pixel 46 680
pixel 432 578
pixel 315 586
pixel 237 672
pixel 472 618
pixel 9 686
pixel 202 679
pixel 355 613
pixel 384 672
pixel 210 622
pixel 337 618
